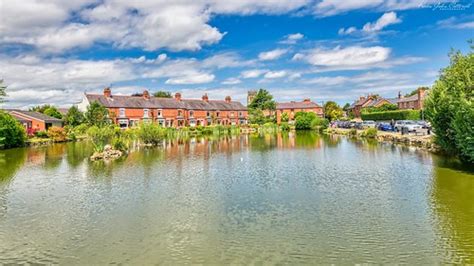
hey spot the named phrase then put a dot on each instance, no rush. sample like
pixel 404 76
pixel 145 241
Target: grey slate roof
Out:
pixel 121 101
pixel 296 105
pixel 36 115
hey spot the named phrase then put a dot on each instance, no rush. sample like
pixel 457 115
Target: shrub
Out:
pixel 81 129
pixel 150 133
pixel 303 120
pixel 12 133
pixel 41 134
pixel 370 133
pixel 100 136
pixel 57 134
pixel 353 132
pixel 319 123
pixel 284 126
pixel 450 105
pixel 285 117
pixel 395 115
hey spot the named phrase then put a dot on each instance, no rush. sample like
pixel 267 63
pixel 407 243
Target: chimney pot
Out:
pixel 146 94
pixel 205 98
pixel 177 96
pixel 228 99
pixel 107 92
pixel 307 100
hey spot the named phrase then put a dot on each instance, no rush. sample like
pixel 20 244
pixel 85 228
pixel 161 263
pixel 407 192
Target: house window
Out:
pixel 180 113
pixel 231 114
pixel 145 112
pixel 217 114
pixel 208 114
pixel 122 112
pixel 240 114
pixel 159 112
pixel 191 113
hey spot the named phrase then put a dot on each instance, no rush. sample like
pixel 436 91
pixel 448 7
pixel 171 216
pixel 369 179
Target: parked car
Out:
pixel 410 125
pixel 385 127
pixel 358 125
pixel 424 124
pixel 368 124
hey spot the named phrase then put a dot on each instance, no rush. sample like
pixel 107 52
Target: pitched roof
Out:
pixel 297 105
pixel 380 100
pixel 121 101
pixel 413 97
pixel 36 115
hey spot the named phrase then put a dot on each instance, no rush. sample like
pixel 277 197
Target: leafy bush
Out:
pixel 395 115
pixel 12 133
pixel 41 134
pixel 370 133
pixel 100 136
pixel 150 133
pixel 284 117
pixel 319 123
pixel 74 117
pixel 353 132
pixel 383 108
pixel 284 126
pixel 57 134
pixel 53 112
pixel 449 106
pixel 96 115
pixel 81 129
pixel 304 120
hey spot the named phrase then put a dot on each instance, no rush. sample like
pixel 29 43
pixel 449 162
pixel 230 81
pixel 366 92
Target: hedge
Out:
pixel 395 115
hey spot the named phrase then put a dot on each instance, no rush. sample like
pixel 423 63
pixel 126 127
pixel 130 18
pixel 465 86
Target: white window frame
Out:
pixel 121 112
pixel 146 113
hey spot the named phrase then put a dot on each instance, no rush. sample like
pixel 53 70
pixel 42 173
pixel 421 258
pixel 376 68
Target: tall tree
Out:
pixel 263 100
pixel 53 112
pixel 346 106
pixel 332 111
pixel 96 115
pixel 162 94
pixel 3 92
pixel 74 117
pixel 450 106
pixel 40 108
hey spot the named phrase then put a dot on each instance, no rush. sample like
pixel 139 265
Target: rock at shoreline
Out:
pixel 107 154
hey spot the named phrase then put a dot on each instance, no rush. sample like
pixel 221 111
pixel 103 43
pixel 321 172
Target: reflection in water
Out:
pixel 453 205
pixel 289 198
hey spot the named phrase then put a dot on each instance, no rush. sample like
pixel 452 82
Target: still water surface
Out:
pixel 247 199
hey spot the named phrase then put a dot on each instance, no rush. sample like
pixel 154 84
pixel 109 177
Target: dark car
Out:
pixel 385 127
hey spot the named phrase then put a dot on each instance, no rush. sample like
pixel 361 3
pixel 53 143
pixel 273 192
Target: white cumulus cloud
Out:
pixel 271 55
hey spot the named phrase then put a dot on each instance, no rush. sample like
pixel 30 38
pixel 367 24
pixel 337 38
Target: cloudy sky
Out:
pixel 52 51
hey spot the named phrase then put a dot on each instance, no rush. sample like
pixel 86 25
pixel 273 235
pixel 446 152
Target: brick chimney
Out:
pixel 362 98
pixel 146 94
pixel 205 98
pixel 399 95
pixel 307 100
pixel 177 96
pixel 228 99
pixel 107 92
pixel 421 93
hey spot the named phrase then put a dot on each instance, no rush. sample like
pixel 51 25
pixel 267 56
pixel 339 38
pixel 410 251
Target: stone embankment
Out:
pixel 107 154
pixel 424 142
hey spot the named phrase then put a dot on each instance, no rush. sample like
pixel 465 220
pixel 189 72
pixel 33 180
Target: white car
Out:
pixel 410 125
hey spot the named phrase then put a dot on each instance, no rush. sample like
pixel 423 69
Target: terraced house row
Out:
pixel 127 111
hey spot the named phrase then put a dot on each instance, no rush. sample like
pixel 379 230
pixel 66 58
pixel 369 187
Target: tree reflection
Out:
pixel 10 162
pixel 453 206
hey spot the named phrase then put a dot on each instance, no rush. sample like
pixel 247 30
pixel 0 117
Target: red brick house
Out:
pixel 414 102
pixel 169 112
pixel 370 101
pixel 291 108
pixel 35 121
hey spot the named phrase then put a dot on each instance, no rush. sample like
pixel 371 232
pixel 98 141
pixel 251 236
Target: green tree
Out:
pixel 346 106
pixel 96 115
pixel 53 112
pixel 3 92
pixel 256 116
pixel 332 111
pixel 263 100
pixel 304 120
pixel 12 133
pixel 449 106
pixel 162 94
pixel 74 117
pixel 285 117
pixel 40 108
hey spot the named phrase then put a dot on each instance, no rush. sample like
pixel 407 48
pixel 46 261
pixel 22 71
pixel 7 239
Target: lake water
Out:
pixel 273 199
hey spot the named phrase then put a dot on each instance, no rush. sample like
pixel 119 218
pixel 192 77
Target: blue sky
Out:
pixel 52 51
